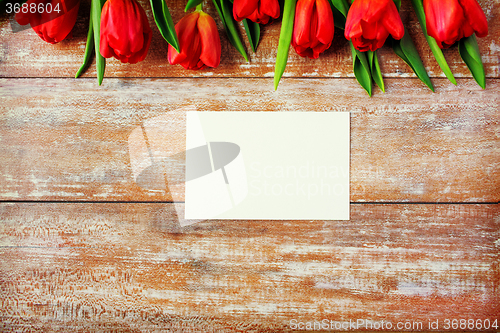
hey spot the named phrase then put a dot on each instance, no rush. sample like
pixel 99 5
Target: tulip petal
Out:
pixel 382 35
pixel 26 18
pixel 368 10
pixel 302 26
pixel 193 60
pixel 125 31
pixel 444 19
pixel 198 40
pixel 370 30
pixel 186 30
pixel 326 25
pixel 210 40
pixel 270 8
pixel 52 27
pixel 313 41
pixel 369 22
pixel 244 8
pixel 475 16
pixel 313 28
pixel 353 30
pixel 259 11
pixel 392 21
pixel 142 53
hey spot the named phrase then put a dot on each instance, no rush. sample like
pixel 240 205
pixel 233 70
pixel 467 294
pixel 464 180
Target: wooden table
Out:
pixel 83 248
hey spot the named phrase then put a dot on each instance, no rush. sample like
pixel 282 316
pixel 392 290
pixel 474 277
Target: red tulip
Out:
pixel 369 23
pixel 52 20
pixel 198 40
pixel 259 11
pixel 313 28
pixel 450 20
pixel 125 31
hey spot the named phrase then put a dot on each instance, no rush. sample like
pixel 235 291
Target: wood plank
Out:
pixel 68 139
pixel 24 54
pixel 131 267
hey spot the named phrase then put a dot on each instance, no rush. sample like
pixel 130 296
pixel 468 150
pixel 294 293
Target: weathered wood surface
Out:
pixel 68 139
pixel 83 265
pixel 24 54
pixel 99 267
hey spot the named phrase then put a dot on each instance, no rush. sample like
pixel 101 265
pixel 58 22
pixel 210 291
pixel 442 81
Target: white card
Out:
pixel 267 165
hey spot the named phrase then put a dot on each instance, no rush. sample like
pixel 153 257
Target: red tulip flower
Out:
pixel 199 42
pixel 313 27
pixel 369 23
pixel 125 31
pixel 54 22
pixel 450 20
pixel 259 11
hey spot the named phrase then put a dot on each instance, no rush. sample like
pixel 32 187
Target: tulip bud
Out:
pixel 369 23
pixel 448 21
pixel 313 28
pixel 199 42
pixel 259 11
pixel 52 20
pixel 125 31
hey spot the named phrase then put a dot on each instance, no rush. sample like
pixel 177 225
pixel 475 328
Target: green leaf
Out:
pixel 224 8
pixel 396 47
pixel 398 4
pixel 253 33
pixel 95 13
pixel 284 40
pixel 470 44
pixel 234 37
pixel 89 49
pixel 191 4
pixel 339 10
pixel 407 51
pixel 218 7
pixel 361 69
pixel 341 6
pixel 438 54
pixel 469 51
pixel 338 17
pixel 164 22
pixel 375 69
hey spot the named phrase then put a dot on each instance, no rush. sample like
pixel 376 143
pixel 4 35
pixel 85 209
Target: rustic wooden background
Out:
pixel 83 248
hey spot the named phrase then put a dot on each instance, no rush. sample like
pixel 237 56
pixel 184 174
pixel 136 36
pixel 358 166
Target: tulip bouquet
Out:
pixel 445 22
pixel 308 25
pixel 120 29
pixel 367 24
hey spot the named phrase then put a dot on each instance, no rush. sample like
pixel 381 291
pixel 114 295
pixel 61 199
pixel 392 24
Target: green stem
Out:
pixel 232 29
pixel 164 22
pixel 438 54
pixel 285 40
pixel 96 7
pixel 89 49
pixel 199 8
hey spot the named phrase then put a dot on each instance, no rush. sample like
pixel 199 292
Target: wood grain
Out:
pixel 131 267
pixel 24 54
pixel 68 139
pixel 109 256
